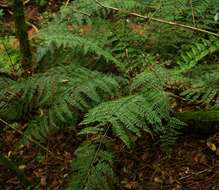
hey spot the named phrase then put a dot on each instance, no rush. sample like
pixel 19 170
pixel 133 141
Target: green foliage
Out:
pixel 168 40
pixel 198 12
pixel 92 169
pixel 80 34
pixel 202 75
pixel 9 56
pixel 152 79
pixel 204 87
pixel 197 52
pixel 64 39
pixel 72 84
pixel 53 99
pixel 129 115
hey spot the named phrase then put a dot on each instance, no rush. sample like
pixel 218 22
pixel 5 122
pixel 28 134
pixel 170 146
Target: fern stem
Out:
pixel 98 148
pixel 158 20
pixel 97 151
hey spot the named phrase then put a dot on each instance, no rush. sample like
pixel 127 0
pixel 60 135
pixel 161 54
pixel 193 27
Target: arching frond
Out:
pixel 130 115
pixel 198 51
pixel 55 97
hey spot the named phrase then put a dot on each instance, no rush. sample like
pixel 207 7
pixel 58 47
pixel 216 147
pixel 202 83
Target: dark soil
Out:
pixel 190 166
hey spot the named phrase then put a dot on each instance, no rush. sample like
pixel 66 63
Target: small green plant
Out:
pixel 9 57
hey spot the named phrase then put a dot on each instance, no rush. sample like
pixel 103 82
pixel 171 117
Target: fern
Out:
pixel 67 31
pixel 204 87
pixel 64 39
pixel 92 169
pixel 153 78
pixel 197 52
pixel 92 7
pixel 130 115
pixel 124 49
pixel 183 10
pixel 79 48
pixel 55 97
pixel 203 79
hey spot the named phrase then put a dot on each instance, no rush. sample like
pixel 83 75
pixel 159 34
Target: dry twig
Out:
pixel 158 19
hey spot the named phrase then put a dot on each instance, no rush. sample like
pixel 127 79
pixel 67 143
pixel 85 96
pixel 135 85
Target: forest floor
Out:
pixel 190 166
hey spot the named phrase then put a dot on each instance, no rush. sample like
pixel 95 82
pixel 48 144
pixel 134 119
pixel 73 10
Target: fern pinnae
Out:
pixel 90 175
pixel 132 114
pixel 73 41
pixel 60 93
pixel 196 53
pixel 85 34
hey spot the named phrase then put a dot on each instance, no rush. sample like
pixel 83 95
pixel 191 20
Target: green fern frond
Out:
pixel 55 97
pixel 153 78
pixel 65 34
pixel 204 85
pixel 123 47
pixel 216 106
pixel 128 5
pixel 158 78
pixel 129 115
pixel 92 7
pixel 197 52
pixel 92 169
pixel 10 108
pixel 182 9
pixel 170 135
pixel 38 128
pixel 64 39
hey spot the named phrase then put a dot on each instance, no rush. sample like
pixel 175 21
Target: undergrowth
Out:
pixel 114 76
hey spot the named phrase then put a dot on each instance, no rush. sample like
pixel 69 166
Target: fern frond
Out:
pixel 92 169
pixel 204 88
pixel 123 47
pixel 153 78
pixel 129 4
pixel 91 7
pixel 129 115
pixel 74 41
pixel 55 97
pixel 197 52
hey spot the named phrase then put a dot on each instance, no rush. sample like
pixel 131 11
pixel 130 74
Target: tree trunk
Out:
pixel 21 32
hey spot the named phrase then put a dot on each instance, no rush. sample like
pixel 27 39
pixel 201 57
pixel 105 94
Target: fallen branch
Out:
pixel 158 19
